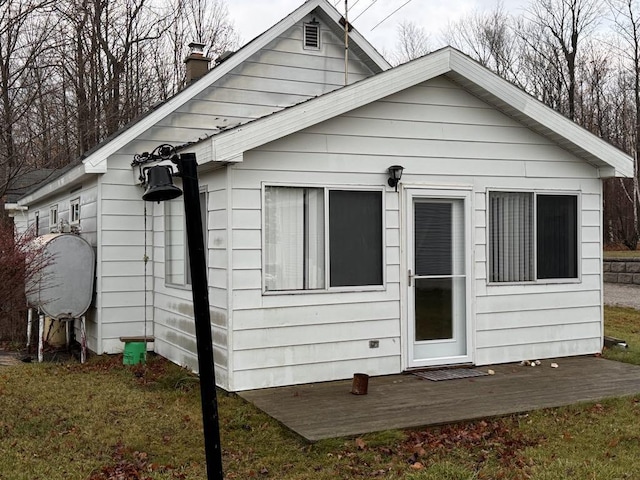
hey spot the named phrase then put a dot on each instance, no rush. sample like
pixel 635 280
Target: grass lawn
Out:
pixel 621 253
pixel 103 421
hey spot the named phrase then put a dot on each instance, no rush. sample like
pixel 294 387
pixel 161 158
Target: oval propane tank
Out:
pixel 63 287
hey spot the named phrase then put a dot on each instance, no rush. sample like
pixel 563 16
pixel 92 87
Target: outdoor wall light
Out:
pixel 395 174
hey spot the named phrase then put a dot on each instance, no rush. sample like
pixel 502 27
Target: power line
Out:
pixel 354 4
pixel 385 18
pixel 361 13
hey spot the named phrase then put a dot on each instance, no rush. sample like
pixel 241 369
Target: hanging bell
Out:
pixel 160 187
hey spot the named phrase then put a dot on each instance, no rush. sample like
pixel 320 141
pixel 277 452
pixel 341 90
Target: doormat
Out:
pixel 450 374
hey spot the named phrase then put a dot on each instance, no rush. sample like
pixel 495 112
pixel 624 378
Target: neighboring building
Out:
pixel 489 251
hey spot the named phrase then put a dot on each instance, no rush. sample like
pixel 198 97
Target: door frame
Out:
pixel 409 193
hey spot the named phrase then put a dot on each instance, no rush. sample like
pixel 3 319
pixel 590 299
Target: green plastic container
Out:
pixel 134 353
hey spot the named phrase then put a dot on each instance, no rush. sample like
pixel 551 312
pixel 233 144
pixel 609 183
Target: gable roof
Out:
pixel 480 81
pixel 95 161
pixel 26 182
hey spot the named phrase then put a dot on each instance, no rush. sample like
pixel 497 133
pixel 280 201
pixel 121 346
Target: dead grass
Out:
pixel 622 254
pixel 623 323
pixel 104 421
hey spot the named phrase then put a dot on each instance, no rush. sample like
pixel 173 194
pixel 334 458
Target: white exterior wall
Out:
pixel 444 137
pixel 280 75
pixel 87 192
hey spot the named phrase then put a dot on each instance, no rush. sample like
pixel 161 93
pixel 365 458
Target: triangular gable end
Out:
pixel 456 66
pixel 95 162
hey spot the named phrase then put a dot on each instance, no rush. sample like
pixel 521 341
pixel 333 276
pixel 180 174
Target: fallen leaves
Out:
pixel 131 465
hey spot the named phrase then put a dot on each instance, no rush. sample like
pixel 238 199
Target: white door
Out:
pixel 438 261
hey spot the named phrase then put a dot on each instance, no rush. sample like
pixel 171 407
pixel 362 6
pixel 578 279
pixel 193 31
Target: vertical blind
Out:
pixel 511 245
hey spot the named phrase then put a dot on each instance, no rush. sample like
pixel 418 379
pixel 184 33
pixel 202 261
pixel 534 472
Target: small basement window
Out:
pixel 312 36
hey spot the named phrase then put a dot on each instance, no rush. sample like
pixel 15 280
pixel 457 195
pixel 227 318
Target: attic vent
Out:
pixel 312 35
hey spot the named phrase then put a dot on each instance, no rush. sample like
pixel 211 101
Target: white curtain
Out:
pixel 294 234
pixel 175 246
pixel 511 237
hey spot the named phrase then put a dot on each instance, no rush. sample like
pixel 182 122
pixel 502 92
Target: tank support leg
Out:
pixel 29 327
pixel 67 332
pixel 83 340
pixel 41 337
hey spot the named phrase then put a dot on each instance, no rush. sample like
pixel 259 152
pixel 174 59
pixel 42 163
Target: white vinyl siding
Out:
pixel 444 137
pixel 279 75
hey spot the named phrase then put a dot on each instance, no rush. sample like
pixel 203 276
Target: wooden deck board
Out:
pixel 326 410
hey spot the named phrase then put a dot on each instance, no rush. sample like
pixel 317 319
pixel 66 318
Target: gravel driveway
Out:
pixel 622 295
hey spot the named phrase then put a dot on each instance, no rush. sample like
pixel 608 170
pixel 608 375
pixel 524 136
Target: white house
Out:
pixel 488 250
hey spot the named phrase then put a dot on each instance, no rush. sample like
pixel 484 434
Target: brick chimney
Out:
pixel 197 64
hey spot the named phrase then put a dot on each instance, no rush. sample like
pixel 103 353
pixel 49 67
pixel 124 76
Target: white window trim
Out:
pixel 536 281
pixel 74 203
pixel 328 288
pixel 53 210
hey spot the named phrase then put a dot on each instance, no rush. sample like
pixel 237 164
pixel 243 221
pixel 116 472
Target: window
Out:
pixel 532 236
pixel 74 211
pixel 312 36
pixel 37 224
pixel 316 238
pixel 53 217
pixel 177 267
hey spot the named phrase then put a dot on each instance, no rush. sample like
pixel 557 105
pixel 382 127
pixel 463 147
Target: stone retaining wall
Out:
pixel 622 270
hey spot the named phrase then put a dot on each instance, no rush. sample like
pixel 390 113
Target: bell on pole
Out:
pixel 160 186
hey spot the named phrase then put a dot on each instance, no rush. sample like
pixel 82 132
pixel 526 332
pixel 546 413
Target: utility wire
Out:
pixel 385 18
pixel 362 12
pixel 354 4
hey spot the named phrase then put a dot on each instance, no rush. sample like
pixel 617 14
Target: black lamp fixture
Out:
pixel 160 188
pixel 395 174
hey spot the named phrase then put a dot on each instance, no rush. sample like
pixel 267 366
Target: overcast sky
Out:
pixel 252 17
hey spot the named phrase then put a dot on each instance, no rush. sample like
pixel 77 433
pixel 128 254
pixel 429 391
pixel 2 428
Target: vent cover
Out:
pixel 312 35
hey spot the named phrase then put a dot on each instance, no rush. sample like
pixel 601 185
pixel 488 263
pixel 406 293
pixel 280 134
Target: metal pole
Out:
pixel 188 169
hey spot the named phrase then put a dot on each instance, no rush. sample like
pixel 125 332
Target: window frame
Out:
pixel 535 193
pixel 74 203
pixel 53 210
pixel 186 273
pixel 327 272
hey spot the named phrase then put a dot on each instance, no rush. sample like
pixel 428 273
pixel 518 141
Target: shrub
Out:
pixel 21 261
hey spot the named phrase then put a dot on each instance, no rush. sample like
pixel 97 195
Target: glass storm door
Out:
pixel 437 296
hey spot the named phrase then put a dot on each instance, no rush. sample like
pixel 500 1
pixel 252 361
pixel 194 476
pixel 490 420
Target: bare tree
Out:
pixel 626 15
pixel 412 43
pixel 203 21
pixel 487 37
pixel 24 33
pixel 563 24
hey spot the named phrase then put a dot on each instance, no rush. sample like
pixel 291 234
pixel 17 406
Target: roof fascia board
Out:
pixel 227 145
pixel 97 160
pixel 51 188
pixel 541 114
